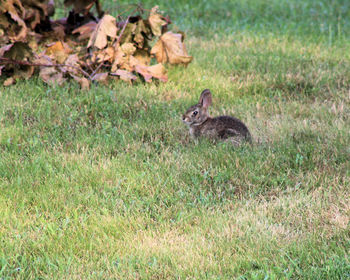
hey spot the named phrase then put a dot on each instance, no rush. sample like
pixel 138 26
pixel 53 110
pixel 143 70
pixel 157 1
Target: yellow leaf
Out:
pixel 58 51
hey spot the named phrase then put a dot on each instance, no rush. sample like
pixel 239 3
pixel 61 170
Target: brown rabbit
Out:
pixel 222 127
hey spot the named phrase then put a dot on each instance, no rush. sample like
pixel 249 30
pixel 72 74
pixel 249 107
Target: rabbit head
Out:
pixel 198 114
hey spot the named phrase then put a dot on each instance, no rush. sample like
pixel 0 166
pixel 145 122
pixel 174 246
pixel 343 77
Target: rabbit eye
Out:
pixel 195 113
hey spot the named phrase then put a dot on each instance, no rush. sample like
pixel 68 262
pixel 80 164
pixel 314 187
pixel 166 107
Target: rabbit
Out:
pixel 223 127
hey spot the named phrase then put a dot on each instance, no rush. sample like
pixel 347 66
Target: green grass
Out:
pixel 107 184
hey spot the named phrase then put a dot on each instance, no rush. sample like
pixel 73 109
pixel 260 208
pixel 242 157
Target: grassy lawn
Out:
pixel 107 184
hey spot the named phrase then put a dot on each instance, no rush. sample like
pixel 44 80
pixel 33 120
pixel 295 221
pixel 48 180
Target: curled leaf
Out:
pixel 170 48
pixel 17 12
pixel 159 52
pixel 156 21
pixel 105 28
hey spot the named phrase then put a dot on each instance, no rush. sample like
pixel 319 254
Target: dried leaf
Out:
pixel 83 82
pixel 140 32
pixel 121 60
pixel 59 32
pixel 156 21
pixel 124 75
pixel 103 55
pixel 142 56
pixel 73 61
pixel 5 49
pixel 48 73
pixel 101 77
pixel 85 30
pixel 16 51
pixel 23 71
pixel 9 81
pixel 174 48
pixel 128 48
pixel 59 51
pixel 158 71
pixel 141 69
pixel 128 33
pixel 17 12
pixel 159 51
pixel 24 24
pixel 105 27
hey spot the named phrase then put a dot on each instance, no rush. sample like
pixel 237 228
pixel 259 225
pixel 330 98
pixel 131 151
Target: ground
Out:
pixel 107 184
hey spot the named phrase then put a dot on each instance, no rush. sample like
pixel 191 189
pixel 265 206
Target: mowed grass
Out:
pixel 107 184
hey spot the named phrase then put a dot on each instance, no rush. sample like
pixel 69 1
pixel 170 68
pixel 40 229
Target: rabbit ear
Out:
pixel 205 99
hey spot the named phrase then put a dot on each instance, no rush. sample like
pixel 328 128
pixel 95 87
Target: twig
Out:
pixel 121 32
pixel 4 60
pixel 97 68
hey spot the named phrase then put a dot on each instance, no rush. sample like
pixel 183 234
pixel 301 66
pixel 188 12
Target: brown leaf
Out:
pixel 59 32
pixel 105 27
pixel 124 75
pixel 72 60
pixel 128 33
pixel 24 71
pixel 128 48
pixel 49 75
pixel 85 30
pixel 101 77
pixel 141 31
pixel 83 82
pixel 173 47
pixel 4 21
pixel 159 51
pixel 121 60
pixel 141 69
pixel 32 16
pixel 59 51
pixel 9 81
pixel 103 55
pixel 16 51
pixel 156 21
pixel 17 12
pixel 5 49
pixel 158 71
pixel 142 56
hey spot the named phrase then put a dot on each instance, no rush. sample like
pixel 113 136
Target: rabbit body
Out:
pixel 223 127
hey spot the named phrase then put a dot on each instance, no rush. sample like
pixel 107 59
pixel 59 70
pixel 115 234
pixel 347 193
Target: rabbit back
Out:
pixel 223 127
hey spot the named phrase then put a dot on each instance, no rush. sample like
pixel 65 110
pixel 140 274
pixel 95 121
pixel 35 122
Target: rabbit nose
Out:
pixel 183 118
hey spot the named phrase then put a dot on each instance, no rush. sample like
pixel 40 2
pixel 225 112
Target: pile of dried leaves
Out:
pixel 84 47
